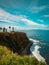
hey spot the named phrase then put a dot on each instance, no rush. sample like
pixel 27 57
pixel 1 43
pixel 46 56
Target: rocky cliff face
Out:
pixel 16 41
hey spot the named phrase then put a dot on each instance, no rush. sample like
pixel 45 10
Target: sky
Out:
pixel 24 14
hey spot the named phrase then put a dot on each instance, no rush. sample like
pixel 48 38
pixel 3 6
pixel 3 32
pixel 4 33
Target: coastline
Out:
pixel 36 52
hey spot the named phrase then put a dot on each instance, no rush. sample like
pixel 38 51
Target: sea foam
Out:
pixel 36 51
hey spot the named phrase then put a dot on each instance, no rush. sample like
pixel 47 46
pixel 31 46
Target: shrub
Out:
pixel 9 58
pixel 4 51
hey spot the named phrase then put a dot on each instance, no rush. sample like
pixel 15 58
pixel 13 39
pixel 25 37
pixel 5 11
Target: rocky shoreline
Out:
pixel 16 41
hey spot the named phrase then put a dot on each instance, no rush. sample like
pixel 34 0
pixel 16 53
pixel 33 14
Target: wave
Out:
pixel 36 51
pixel 34 41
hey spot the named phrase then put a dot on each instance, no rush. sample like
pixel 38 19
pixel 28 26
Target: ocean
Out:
pixel 39 49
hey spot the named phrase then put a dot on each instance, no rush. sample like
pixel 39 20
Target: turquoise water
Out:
pixel 43 37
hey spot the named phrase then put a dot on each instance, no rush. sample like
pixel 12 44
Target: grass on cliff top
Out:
pixel 7 57
pixel 11 32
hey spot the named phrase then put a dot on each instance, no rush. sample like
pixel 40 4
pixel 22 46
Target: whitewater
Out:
pixel 36 51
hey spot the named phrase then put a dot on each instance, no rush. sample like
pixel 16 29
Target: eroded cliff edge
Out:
pixel 16 41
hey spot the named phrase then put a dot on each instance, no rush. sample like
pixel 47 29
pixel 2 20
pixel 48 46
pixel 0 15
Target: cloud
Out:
pixel 14 20
pixel 7 17
pixel 46 15
pixel 40 20
pixel 37 9
pixel 28 22
pixel 4 16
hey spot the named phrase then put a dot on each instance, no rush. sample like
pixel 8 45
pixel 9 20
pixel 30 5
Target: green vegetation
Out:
pixel 11 47
pixel 15 41
pixel 7 57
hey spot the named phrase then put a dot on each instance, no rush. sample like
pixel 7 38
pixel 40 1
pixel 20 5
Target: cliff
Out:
pixel 16 42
